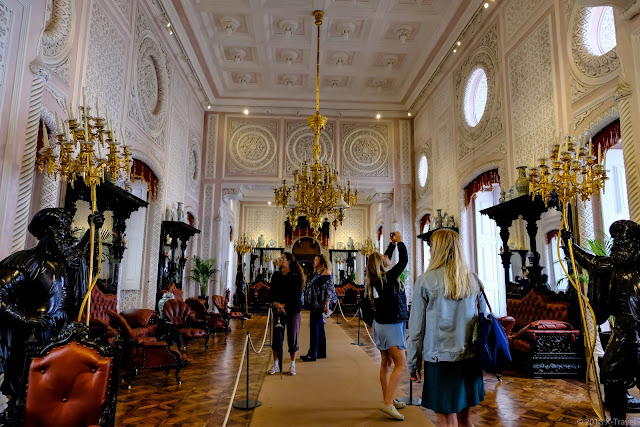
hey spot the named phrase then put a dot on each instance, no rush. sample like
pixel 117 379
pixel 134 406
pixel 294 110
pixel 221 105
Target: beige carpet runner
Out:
pixel 342 390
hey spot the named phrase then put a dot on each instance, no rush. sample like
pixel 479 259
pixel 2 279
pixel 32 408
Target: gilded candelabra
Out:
pixel 317 190
pixel 570 169
pixel 367 248
pixel 244 245
pixel 78 152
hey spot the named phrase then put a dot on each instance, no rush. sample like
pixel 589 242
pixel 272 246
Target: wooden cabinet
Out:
pixel 174 237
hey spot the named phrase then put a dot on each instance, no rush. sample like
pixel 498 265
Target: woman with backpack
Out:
pixel 444 315
pixel 386 295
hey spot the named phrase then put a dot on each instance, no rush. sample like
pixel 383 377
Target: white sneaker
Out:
pixel 391 411
pixel 274 370
pixel 398 404
pixel 292 370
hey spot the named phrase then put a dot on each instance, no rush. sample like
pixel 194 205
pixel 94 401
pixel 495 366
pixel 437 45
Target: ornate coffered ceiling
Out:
pixel 374 54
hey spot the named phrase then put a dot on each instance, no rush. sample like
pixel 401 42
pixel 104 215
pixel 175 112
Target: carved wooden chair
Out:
pixel 72 381
pixel 214 321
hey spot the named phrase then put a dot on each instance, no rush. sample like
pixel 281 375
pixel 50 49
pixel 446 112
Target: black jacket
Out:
pixel 287 289
pixel 391 304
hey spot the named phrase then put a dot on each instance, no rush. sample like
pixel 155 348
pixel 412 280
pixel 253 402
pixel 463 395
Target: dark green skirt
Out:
pixel 449 387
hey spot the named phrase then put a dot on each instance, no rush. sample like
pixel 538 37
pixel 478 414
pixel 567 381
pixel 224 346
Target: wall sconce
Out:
pixel 169 27
pixel 347 29
pixel 288 27
pixel 230 24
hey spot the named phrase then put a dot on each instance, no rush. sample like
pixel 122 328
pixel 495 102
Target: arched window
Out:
pixel 426 249
pixel 481 193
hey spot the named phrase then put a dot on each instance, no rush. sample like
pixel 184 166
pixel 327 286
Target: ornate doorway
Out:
pixel 304 250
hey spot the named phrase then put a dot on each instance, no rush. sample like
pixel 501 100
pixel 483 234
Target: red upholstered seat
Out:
pixel 144 352
pixel 182 323
pixel 215 321
pixel 99 322
pixel 222 305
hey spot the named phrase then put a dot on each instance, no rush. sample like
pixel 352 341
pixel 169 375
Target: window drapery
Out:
pixel 606 138
pixel 141 171
pixel 480 183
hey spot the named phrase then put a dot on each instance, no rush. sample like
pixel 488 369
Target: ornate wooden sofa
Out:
pixel 349 294
pixel 542 341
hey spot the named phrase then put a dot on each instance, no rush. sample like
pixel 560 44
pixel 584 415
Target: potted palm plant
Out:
pixel 202 271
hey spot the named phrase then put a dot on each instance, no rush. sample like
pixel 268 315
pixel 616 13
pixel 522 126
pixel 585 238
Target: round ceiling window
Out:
pixel 599 30
pixel 475 97
pixel 422 171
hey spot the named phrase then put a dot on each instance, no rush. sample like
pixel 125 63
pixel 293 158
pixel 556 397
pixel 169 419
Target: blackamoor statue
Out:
pixel 41 289
pixel 614 290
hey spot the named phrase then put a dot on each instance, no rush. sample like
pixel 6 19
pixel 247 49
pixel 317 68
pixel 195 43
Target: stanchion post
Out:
pixel 246 403
pixel 270 329
pixel 359 318
pixel 410 400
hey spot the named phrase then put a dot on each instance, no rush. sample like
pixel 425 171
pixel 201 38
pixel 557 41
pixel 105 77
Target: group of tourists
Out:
pixel 444 298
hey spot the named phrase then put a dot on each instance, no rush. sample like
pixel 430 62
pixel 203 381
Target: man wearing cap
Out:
pixel 41 289
pixel 614 290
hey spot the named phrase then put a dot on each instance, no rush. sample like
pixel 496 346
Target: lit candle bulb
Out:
pixel 599 153
pixel 590 151
pixel 57 124
pixel 69 109
pixel 45 137
pixel 124 143
pixel 97 109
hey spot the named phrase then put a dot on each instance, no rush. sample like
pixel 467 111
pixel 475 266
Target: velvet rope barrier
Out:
pixel 266 329
pixel 367 329
pixel 235 386
pixel 342 313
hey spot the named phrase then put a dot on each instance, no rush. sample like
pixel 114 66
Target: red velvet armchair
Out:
pixel 73 381
pixel 182 324
pixel 544 343
pixel 143 352
pixel 100 323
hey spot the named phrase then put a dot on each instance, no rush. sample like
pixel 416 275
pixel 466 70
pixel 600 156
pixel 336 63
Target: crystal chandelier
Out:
pixel 317 192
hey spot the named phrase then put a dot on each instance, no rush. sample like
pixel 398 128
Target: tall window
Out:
pixel 426 250
pixel 615 205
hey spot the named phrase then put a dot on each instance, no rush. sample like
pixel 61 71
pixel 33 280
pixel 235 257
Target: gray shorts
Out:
pixel 387 335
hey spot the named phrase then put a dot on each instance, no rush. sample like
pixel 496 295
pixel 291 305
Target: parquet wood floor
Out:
pixel 208 379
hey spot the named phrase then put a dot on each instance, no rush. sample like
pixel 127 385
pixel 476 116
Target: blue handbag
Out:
pixel 493 345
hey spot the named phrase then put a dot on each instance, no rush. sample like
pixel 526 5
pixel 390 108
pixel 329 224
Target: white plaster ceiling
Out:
pixel 374 54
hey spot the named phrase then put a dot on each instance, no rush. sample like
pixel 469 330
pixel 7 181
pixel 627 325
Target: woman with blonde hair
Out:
pixel 391 314
pixel 318 294
pixel 444 314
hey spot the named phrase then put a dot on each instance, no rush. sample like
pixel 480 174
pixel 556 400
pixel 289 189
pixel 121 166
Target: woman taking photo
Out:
pixel 286 295
pixel 386 295
pixel 444 313
pixel 319 293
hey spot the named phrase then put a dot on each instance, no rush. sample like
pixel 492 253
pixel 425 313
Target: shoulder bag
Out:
pixel 493 345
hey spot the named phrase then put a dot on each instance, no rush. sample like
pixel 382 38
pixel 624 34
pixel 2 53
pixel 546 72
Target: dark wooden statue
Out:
pixel 241 298
pixel 41 289
pixel 614 290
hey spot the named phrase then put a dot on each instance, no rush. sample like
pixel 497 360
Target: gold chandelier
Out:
pixel 317 191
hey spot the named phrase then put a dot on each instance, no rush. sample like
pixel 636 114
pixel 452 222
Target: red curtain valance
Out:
pixel 551 235
pixel 426 219
pixel 486 179
pixel 141 171
pixel 606 138
pixel 306 232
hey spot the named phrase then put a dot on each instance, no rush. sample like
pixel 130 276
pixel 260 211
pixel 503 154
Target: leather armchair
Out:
pixel 143 322
pixel 214 321
pixel 222 305
pixel 143 352
pixel 182 324
pixel 72 381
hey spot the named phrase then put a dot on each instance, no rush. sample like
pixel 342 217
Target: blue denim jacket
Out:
pixel 440 329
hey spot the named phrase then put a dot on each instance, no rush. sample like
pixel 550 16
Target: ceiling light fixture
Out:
pixel 409 113
pixel 230 24
pixel 317 192
pixel 486 5
pixel 378 116
pixel 347 29
pixel 246 111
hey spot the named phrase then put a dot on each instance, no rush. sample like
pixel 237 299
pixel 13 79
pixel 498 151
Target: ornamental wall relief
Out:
pixel 485 57
pixel 6 21
pixel 149 98
pixel 193 164
pixel 587 71
pixel 365 150
pixel 252 147
pixel 300 142
pixel 55 43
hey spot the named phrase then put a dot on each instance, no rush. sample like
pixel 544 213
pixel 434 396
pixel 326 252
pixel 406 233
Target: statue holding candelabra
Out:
pixel 570 169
